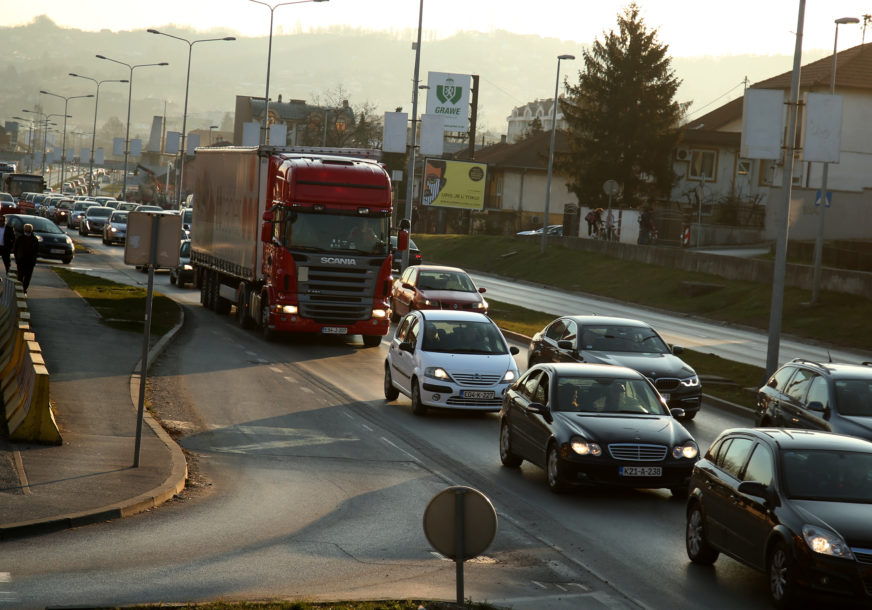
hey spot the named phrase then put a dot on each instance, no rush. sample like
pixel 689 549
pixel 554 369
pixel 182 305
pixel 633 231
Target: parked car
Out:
pixel 94 220
pixel 53 242
pixel 415 257
pixel 449 359
pixel 595 423
pixel 78 211
pixel 115 229
pixel 796 504
pixel 8 204
pixel 183 273
pixel 62 211
pixel 435 287
pixel 819 396
pixel 625 342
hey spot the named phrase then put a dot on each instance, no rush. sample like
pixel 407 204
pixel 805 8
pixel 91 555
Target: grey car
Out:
pixel 94 220
pixel 115 230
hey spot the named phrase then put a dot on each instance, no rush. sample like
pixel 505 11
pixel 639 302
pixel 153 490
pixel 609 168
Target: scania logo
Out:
pixel 335 260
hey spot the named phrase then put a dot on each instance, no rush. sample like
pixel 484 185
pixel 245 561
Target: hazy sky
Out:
pixel 764 27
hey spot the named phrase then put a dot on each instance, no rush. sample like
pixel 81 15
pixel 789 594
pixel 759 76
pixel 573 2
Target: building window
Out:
pixel 744 168
pixel 702 165
pixel 767 172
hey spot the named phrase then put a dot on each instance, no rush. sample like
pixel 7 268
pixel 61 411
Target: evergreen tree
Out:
pixel 622 117
pixel 535 128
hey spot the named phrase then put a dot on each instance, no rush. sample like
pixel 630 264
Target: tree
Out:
pixel 111 129
pixel 622 117
pixel 534 129
pixel 357 126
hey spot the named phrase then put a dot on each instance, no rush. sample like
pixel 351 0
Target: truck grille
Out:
pixel 340 294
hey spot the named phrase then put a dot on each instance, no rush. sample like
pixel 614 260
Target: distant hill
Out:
pixel 372 67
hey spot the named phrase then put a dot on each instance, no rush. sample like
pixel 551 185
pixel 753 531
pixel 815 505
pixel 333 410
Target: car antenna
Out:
pixel 829 355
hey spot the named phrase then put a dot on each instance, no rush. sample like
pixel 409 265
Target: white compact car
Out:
pixel 449 359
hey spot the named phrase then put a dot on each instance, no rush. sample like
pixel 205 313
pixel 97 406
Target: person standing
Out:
pixel 7 234
pixel 26 248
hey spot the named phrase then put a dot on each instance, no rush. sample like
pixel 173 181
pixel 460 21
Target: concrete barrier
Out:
pixel 24 379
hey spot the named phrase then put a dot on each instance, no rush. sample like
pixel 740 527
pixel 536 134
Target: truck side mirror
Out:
pixel 266 228
pixel 402 240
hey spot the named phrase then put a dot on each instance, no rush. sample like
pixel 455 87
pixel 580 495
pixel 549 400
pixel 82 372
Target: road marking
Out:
pixel 276 369
pixel 395 446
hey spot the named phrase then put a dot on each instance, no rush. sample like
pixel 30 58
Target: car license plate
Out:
pixel 57 251
pixel 477 394
pixel 334 330
pixel 641 471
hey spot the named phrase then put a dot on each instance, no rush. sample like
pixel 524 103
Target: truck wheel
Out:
pixel 268 333
pixel 242 317
pixel 371 340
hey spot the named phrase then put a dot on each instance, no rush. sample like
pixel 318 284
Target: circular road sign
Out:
pixel 479 521
pixel 611 187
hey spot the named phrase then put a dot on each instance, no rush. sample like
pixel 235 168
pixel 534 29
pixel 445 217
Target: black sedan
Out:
pixel 53 242
pixel 796 504
pixel 596 423
pixel 415 256
pixel 625 342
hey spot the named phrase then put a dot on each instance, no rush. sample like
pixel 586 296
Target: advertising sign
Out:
pixel 454 184
pixel 448 96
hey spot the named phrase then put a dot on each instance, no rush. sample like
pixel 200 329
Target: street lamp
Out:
pixel 819 242
pixel 410 172
pixel 94 132
pixel 551 151
pixel 211 127
pixel 45 119
pixel 64 139
pixel 264 135
pixel 29 153
pixel 129 97
pixel 191 44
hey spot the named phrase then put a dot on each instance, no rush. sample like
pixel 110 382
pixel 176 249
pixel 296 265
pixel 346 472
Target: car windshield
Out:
pixel 607 395
pixel 841 476
pixel 6 197
pixel 187 215
pixel 854 397
pixel 40 224
pixel 462 337
pixel 412 245
pixel 185 250
pixel 445 280
pixel 99 212
pixel 610 338
pixel 118 217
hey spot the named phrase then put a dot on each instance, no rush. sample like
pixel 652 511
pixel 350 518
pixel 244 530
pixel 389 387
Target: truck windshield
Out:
pixel 320 232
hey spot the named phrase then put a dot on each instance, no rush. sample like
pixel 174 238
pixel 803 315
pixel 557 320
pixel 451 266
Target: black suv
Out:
pixel 625 342
pixel 820 396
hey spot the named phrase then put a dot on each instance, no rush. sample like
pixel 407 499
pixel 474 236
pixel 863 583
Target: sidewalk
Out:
pixel 95 394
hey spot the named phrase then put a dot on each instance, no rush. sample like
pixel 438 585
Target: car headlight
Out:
pixel 478 305
pixel 688 450
pixel 69 240
pixel 188 267
pixel 509 376
pixel 826 542
pixel 428 302
pixel 38 237
pixel 437 372
pixel 583 447
pixel 113 229
pixel 691 382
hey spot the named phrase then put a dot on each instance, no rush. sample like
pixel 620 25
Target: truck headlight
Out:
pixel 379 313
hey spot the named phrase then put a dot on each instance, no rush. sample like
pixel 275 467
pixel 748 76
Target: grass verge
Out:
pixel 120 306
pixel 303 605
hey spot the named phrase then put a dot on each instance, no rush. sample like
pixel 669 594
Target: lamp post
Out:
pixel 190 44
pixel 211 127
pixel 29 149
pixel 264 131
pixel 94 131
pixel 64 138
pixel 551 151
pixel 45 118
pixel 819 242
pixel 129 97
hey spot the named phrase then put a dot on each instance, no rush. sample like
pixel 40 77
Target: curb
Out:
pixel 171 487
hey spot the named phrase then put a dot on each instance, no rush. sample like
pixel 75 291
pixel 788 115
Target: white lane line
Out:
pixel 277 370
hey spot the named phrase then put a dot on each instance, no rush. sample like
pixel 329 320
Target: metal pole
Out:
pixel 126 154
pixel 780 268
pixel 819 242
pixel 146 338
pixel 410 172
pixel 551 153
pixel 460 534
pixel 64 145
pixel 184 130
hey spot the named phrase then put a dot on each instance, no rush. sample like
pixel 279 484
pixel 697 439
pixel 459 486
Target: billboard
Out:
pixel 454 184
pixel 448 96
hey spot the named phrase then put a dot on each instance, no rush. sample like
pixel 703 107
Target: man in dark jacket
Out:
pixel 26 248
pixel 7 236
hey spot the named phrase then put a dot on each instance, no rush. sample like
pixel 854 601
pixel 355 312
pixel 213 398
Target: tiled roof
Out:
pixel 530 153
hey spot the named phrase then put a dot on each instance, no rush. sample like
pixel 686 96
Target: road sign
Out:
pixel 817 199
pixel 611 187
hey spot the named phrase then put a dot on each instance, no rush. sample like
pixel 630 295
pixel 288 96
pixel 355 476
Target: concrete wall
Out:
pixel 857 283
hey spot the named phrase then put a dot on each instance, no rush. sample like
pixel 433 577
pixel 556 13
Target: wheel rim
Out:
pixel 694 532
pixel 778 574
pixel 553 477
pixel 505 441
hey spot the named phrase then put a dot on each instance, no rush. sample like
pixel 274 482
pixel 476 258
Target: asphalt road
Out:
pixel 318 486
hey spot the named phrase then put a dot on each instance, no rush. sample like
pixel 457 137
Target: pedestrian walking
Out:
pixel 8 237
pixel 26 248
pixel 610 225
pixel 590 219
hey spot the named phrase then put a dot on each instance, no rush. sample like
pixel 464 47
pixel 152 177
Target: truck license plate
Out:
pixel 640 471
pixel 477 394
pixel 334 330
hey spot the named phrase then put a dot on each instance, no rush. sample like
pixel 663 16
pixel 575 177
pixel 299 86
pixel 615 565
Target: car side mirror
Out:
pixel 482 290
pixel 677 412
pixel 818 407
pixel 758 490
pixel 266 228
pixel 565 344
pixel 514 351
pixel 540 409
pixel 677 349
pixel 405 346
